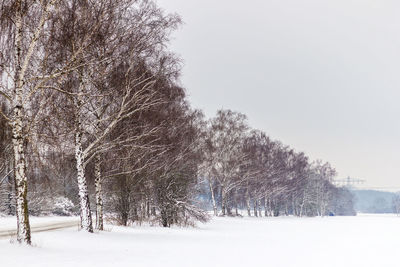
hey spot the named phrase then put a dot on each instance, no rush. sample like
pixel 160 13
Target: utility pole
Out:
pixel 348 182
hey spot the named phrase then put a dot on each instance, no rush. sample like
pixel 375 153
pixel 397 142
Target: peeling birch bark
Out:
pixel 21 187
pixel 85 214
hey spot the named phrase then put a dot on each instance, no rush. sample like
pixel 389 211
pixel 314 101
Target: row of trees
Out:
pixel 245 169
pixel 90 91
pixel 92 114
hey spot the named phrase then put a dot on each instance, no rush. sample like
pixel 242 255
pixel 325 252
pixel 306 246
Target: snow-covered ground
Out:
pixel 365 240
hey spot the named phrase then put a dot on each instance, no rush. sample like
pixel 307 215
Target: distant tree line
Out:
pixel 376 201
pixel 246 169
pixel 92 115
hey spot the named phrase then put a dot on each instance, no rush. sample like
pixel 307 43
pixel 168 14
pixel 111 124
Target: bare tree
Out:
pixel 22 25
pixel 224 153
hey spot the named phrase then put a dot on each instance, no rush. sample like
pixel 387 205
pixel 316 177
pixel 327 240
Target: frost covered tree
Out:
pixel 321 180
pixel 158 177
pixel 267 168
pixel 273 177
pixel 23 24
pixel 112 44
pixel 224 153
pixel 56 45
pixel 176 184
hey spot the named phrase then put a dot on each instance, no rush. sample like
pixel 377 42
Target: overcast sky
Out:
pixel 322 76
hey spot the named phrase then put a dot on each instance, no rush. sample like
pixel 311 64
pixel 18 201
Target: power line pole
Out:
pixel 348 182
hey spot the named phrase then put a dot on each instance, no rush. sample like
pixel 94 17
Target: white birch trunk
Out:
pixel 213 197
pixel 21 189
pixel 302 204
pixel 85 214
pixel 99 193
pixel 323 208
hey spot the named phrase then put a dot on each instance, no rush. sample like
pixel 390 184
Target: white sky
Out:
pixel 322 76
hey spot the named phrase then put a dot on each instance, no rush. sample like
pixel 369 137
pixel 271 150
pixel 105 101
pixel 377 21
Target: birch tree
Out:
pixel 27 42
pixel 22 26
pixel 224 152
pixel 110 43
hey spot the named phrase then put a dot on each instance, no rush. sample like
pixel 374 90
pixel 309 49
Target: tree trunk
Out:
pixel 301 209
pixel 265 207
pixel 21 188
pixel 229 204
pixel 135 213
pixel 124 205
pixel 165 215
pixel 277 208
pixel 86 217
pixel 255 208
pixel 10 207
pixel 18 138
pixel 248 203
pixel 214 203
pixel 229 210
pixel 294 207
pixel 148 207
pixel 99 194
pixel 223 201
pixel 323 208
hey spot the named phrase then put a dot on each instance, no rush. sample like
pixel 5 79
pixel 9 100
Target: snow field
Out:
pixel 366 240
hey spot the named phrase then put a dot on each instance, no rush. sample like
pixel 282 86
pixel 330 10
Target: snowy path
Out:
pixel 8 228
pixel 278 242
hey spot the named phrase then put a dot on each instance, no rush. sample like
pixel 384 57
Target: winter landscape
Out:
pixel 199 133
